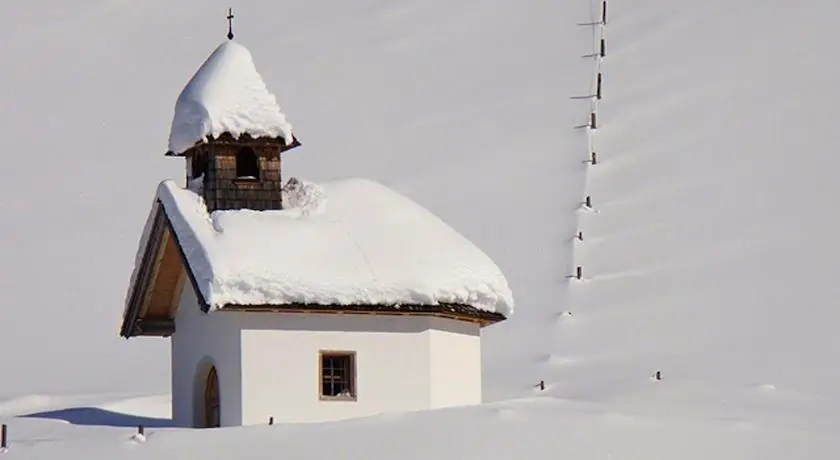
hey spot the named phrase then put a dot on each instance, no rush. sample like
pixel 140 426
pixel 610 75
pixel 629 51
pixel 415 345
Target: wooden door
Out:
pixel 212 416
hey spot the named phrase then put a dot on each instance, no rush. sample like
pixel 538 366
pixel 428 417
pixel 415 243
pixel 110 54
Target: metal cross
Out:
pixel 230 24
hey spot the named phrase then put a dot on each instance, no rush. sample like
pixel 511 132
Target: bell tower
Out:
pixel 231 131
pixel 238 173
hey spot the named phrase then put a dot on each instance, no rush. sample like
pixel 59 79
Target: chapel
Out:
pixel 294 301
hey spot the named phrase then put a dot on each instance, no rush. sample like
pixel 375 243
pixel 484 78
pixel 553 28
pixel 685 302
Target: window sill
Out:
pixel 246 180
pixel 338 398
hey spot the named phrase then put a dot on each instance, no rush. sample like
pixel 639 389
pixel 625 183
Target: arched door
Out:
pixel 212 416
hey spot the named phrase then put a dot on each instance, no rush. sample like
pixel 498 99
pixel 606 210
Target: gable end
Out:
pixel 154 298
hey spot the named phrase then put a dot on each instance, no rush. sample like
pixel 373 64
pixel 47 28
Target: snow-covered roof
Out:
pixel 346 242
pixel 226 95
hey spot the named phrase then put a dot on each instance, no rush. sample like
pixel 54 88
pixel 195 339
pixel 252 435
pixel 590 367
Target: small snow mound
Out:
pixel 138 437
pixel 306 196
pixel 767 387
pixel 29 403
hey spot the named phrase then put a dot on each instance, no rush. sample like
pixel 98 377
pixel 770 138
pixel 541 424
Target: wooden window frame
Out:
pixel 354 390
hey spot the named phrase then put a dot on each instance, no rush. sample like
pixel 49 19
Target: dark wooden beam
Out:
pixel 452 311
pixel 154 327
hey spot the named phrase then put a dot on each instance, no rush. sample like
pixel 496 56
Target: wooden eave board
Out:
pixel 481 321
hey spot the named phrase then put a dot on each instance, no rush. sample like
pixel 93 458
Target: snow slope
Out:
pixel 709 256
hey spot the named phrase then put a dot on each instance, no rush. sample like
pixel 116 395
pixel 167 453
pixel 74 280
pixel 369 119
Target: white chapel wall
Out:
pixel 281 359
pixel 200 341
pixel 455 363
pixel 268 364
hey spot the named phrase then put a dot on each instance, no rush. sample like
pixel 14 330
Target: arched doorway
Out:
pixel 212 414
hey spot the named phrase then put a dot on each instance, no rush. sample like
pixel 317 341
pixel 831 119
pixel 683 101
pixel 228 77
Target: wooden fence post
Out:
pixel 4 441
pixel 603 47
pixel 271 420
pixel 593 121
pixel 588 201
pixel 604 12
pixel 598 90
pixel 579 272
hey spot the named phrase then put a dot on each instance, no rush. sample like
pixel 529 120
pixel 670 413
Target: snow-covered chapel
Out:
pixel 298 301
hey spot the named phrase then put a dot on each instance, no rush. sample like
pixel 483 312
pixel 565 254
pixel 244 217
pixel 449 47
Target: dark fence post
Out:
pixel 4 441
pixel 588 201
pixel 271 420
pixel 658 375
pixel 141 430
pixel 579 272
pixel 593 121
pixel 580 236
pixel 542 385
pixel 604 12
pixel 603 47
pixel 594 159
pixel 598 90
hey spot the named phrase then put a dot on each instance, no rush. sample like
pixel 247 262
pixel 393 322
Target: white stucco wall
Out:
pixel 281 356
pixel 454 363
pixel 268 364
pixel 201 341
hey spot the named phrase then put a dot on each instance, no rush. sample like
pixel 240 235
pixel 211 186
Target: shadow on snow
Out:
pixel 101 417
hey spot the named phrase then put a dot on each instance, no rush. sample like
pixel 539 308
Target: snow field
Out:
pixel 712 255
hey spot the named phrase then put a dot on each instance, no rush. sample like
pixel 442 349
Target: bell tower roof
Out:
pixel 227 96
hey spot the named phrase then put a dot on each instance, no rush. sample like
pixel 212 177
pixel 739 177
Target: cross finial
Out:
pixel 230 24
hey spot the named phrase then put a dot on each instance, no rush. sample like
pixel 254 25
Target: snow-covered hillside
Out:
pixel 709 255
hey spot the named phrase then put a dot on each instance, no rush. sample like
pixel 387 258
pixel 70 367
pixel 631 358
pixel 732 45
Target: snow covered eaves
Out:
pixel 226 95
pixel 352 243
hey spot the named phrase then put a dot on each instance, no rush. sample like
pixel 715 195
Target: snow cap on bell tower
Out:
pixel 227 95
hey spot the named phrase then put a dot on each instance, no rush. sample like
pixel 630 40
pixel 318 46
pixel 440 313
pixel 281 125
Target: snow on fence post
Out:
pixel 603 48
pixel 593 121
pixel 604 12
pixel 4 442
pixel 598 90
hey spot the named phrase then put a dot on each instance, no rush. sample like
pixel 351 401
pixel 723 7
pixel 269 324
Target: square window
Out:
pixel 338 375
